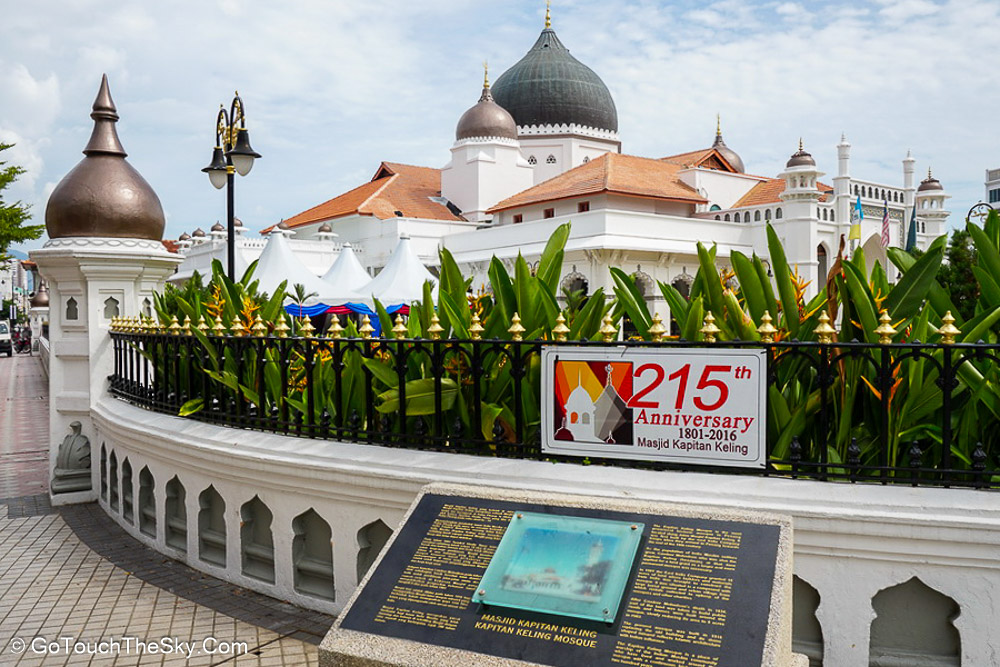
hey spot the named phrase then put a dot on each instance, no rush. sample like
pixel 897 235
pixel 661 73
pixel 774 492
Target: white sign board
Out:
pixel 682 405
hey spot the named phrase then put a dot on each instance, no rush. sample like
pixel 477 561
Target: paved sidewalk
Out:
pixel 76 590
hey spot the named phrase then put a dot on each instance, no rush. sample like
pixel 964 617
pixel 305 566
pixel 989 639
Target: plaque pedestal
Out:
pixel 706 587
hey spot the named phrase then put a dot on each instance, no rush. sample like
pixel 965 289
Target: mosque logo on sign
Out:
pixel 591 402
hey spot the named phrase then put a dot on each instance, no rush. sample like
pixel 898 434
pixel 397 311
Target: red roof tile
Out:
pixel 395 187
pixel 702 158
pixel 611 173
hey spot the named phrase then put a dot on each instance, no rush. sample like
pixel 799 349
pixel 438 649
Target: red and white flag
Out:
pixel 885 223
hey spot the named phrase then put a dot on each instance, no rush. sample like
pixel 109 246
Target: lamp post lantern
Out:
pixel 232 155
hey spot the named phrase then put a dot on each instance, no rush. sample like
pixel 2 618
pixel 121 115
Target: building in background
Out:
pixel 542 147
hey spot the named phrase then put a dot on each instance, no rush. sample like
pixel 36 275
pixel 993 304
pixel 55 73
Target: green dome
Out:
pixel 548 86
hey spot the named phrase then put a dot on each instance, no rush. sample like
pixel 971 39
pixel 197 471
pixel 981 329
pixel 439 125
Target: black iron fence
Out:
pixel 914 414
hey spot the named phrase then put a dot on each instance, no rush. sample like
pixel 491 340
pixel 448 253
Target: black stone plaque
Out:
pixel 699 592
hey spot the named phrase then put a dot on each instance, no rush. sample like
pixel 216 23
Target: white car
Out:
pixel 5 343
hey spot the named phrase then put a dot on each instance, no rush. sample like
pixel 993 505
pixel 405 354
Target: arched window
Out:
pixel 682 284
pixel 643 282
pixel 856 190
pixel 824 214
pixel 575 282
pixel 532 160
pixel 717 217
pixel 884 196
pixel 777 214
pixel 870 193
pixel 833 216
pixel 756 216
pixel 586 159
pixel 550 159
pixel 72 311
pixel 714 207
pixel 821 260
pixel 726 217
pixel 767 214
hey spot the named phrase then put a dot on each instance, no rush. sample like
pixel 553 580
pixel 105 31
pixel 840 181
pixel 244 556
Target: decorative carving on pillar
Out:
pixel 73 463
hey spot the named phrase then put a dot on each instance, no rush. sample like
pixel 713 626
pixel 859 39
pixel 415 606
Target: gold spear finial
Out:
pixel 766 329
pixel 825 332
pixel 335 331
pixel 486 74
pixel 885 331
pixel 709 331
pixel 548 14
pixel 281 327
pixel 948 329
pixel 718 124
pixel 399 331
pixel 516 331
pixel 800 143
pixel 657 331
pixel 560 331
pixel 476 329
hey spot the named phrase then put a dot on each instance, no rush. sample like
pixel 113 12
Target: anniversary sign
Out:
pixel 566 586
pixel 684 405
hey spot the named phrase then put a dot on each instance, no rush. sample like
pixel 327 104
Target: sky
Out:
pixel 334 87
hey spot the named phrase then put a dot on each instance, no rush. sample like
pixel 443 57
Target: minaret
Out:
pixel 799 224
pixel 486 162
pixel 909 181
pixel 931 214
pixel 842 188
pixel 104 259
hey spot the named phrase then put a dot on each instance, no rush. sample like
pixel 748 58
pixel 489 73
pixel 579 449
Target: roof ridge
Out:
pixel 607 171
pixel 379 190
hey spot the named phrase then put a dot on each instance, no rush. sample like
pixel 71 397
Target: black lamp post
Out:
pixel 232 154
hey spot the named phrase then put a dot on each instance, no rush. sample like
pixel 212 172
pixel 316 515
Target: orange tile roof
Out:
pixel 611 173
pixel 769 192
pixel 395 187
pixel 171 246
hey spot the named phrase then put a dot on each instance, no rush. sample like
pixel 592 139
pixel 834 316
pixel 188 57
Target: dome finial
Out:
pixel 548 14
pixel 800 144
pixel 104 139
pixel 929 175
pixel 486 74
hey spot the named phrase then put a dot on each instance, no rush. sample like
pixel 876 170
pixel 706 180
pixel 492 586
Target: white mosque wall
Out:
pixel 483 172
pixel 850 541
pixel 722 189
pixel 559 152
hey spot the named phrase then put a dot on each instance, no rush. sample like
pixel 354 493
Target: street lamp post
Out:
pixel 232 155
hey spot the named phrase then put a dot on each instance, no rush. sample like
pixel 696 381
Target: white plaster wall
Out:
pixel 724 189
pixel 483 172
pixel 851 541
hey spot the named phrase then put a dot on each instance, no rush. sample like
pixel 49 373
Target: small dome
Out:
pixel 217 227
pixel 40 299
pixel 732 157
pixel 198 233
pixel 800 158
pixel 184 237
pixel 283 226
pixel 486 119
pixel 548 86
pixel 325 228
pixel 930 183
pixel 237 223
pixel 104 195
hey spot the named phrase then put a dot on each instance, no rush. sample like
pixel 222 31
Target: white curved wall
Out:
pixel 851 541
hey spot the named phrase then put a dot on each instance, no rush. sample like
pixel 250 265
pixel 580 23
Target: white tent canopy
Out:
pixel 278 263
pixel 346 276
pixel 402 279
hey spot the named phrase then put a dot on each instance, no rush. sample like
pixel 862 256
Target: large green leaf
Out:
pixel 909 294
pixel 750 287
pixel 676 302
pixel 783 277
pixel 550 264
pixel 419 397
pixel 632 301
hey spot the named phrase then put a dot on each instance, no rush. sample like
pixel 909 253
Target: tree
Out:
pixel 14 216
pixel 957 276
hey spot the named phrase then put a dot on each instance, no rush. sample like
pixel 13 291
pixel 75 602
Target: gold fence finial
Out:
pixel 709 330
pixel 335 331
pixel 201 326
pixel 175 327
pixel 306 329
pixel 281 327
pixel 948 329
pixel 516 331
pixel 366 329
pixel 885 331
pixel 657 331
pixel 259 329
pixel 186 327
pixel 435 329
pixel 560 331
pixel 399 331
pixel 825 332
pixel 476 329
pixel 608 329
pixel 766 329
pixel 219 329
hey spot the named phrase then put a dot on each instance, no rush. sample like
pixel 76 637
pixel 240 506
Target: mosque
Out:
pixel 542 147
